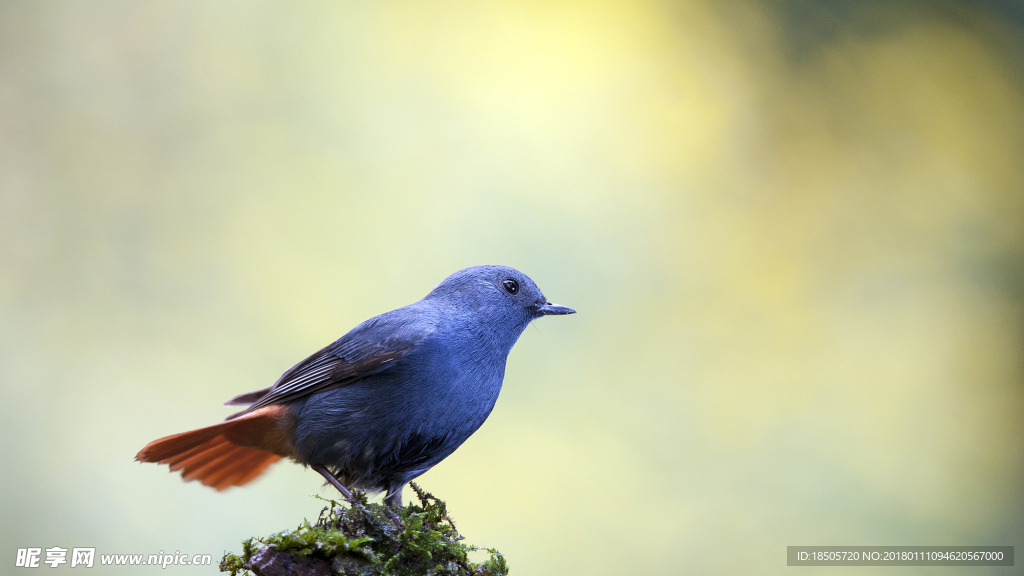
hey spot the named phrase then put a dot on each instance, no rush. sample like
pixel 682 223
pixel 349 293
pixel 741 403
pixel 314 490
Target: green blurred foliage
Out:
pixel 794 233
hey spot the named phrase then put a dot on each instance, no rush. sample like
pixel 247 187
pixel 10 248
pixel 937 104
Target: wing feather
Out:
pixel 370 348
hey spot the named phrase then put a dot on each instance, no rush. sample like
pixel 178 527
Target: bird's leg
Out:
pixel 332 479
pixel 392 502
pixel 394 497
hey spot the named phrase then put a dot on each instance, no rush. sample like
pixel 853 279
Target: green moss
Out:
pixel 364 538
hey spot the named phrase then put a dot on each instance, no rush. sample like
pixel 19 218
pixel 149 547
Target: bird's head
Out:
pixel 498 295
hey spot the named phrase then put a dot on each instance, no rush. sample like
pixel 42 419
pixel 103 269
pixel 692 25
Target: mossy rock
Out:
pixel 363 539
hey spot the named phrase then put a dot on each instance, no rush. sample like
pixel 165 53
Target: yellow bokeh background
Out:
pixel 793 230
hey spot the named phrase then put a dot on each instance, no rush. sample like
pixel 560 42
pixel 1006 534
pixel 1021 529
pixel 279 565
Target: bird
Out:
pixel 381 405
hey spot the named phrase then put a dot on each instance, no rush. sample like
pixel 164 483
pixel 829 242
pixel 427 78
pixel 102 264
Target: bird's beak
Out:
pixel 547 309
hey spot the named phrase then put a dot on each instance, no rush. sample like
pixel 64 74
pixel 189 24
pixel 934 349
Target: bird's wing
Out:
pixel 369 348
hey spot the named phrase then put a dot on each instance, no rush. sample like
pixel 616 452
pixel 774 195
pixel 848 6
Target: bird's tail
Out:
pixel 232 453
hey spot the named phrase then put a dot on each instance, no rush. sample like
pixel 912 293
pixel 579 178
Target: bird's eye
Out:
pixel 511 286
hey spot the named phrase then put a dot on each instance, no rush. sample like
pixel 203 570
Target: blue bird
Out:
pixel 381 405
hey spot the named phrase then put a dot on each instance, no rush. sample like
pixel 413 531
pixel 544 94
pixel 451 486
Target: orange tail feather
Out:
pixel 231 453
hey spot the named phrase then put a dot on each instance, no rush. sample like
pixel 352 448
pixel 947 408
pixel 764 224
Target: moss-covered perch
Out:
pixel 366 539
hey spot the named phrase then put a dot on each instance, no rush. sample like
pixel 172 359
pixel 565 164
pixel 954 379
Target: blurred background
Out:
pixel 793 230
